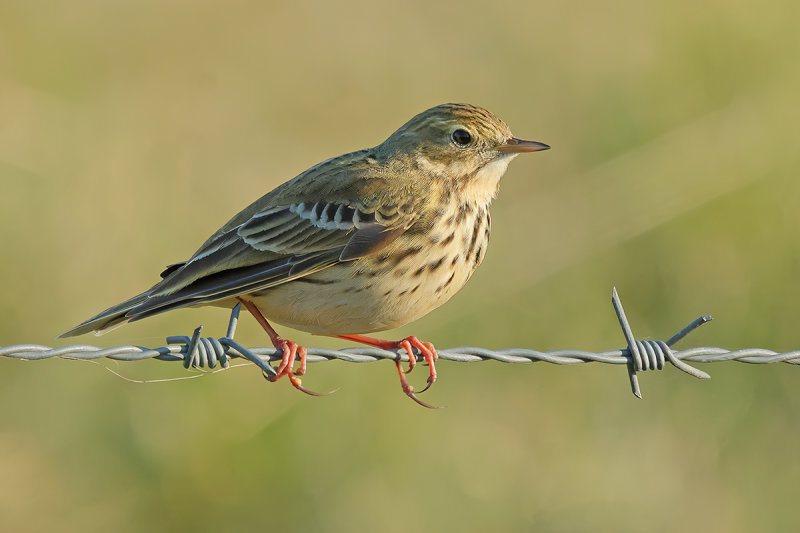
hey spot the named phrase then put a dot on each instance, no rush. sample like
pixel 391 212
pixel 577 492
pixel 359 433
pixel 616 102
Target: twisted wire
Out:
pixel 638 356
pixel 464 354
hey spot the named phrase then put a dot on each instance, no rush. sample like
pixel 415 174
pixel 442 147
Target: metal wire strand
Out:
pixel 639 356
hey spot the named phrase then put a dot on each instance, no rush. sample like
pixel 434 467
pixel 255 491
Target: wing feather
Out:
pixel 270 248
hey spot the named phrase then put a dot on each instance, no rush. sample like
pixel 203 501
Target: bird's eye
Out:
pixel 461 137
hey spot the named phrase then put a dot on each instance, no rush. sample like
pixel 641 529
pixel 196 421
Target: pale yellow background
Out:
pixel 129 131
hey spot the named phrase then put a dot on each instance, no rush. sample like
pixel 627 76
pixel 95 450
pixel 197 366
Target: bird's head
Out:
pixel 458 141
pixel 458 132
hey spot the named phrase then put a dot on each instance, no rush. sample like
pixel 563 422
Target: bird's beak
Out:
pixel 518 146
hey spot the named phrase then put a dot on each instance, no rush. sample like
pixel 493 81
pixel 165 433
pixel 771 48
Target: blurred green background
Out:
pixel 130 131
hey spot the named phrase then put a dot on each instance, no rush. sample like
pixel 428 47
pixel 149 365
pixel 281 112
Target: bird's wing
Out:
pixel 274 246
pixel 284 235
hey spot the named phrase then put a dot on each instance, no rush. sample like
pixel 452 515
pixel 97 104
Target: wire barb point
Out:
pixel 651 355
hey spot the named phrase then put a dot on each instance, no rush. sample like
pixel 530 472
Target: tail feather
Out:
pixel 212 287
pixel 108 319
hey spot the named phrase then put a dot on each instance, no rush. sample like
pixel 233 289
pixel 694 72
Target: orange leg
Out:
pixel 289 349
pixel 408 344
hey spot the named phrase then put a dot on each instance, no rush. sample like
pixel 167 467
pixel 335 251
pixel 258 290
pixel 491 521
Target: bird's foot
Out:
pixel 290 351
pixel 408 344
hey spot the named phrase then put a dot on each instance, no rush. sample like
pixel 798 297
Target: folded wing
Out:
pixel 271 247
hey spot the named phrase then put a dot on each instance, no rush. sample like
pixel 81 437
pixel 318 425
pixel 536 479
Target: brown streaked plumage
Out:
pixel 362 242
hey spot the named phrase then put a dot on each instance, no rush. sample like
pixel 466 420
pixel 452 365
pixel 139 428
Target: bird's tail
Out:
pixel 108 319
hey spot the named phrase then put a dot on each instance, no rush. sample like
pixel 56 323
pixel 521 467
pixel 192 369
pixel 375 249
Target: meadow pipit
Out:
pixel 362 242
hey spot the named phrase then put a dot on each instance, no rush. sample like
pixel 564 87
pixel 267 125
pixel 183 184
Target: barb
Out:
pixel 649 355
pixel 639 356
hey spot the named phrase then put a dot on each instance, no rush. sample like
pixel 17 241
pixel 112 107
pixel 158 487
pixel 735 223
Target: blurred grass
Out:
pixel 131 131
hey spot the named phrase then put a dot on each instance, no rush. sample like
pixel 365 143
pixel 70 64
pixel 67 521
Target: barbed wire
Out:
pixel 639 356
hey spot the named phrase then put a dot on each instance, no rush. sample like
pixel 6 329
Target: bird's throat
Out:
pixel 482 186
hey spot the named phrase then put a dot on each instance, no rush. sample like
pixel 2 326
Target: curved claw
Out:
pixel 427 386
pixel 409 390
pixel 298 384
pixel 410 394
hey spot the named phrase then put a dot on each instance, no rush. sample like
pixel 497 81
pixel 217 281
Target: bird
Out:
pixel 359 243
